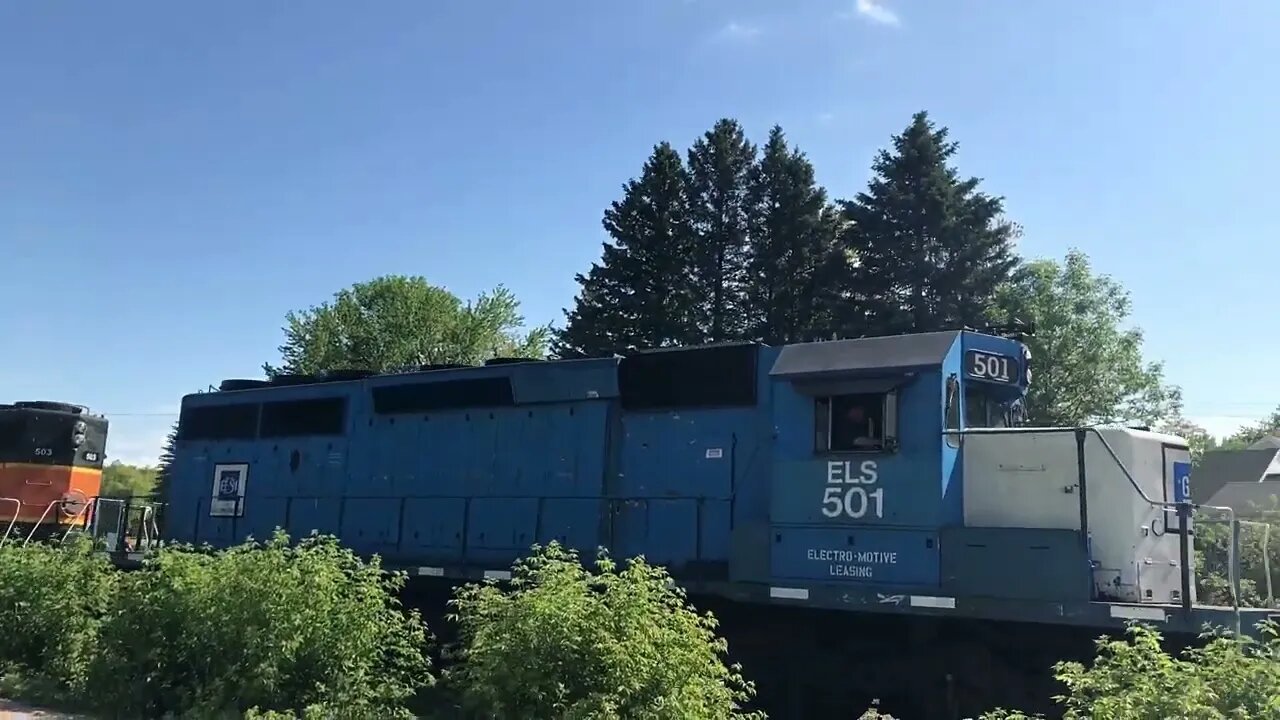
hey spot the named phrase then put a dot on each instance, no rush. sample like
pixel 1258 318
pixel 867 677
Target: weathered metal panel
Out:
pixel 433 527
pixel 1014 563
pixel 678 477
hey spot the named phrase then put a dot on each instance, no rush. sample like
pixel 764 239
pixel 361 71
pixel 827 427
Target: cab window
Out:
pixel 862 422
pixel 983 411
pixel 952 409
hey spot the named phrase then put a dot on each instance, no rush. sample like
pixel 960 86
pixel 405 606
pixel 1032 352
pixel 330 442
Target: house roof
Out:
pixel 1248 497
pixel 1220 467
pixel 1270 441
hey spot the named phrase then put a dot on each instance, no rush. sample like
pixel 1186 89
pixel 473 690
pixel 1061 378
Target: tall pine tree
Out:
pixel 638 295
pixel 720 168
pixel 792 233
pixel 164 471
pixel 931 249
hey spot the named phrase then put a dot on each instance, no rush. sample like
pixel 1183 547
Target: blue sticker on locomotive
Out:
pixel 228 484
pixel 1182 482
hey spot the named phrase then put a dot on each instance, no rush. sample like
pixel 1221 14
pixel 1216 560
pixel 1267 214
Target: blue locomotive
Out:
pixel 884 475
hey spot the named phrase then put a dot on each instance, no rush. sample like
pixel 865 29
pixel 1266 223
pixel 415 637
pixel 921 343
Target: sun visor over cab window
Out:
pixel 858 386
pixel 864 357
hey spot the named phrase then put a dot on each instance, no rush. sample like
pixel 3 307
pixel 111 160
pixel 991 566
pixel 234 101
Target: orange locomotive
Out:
pixel 51 456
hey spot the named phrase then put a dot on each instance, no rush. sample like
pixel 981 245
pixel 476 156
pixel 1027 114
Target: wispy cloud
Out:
pixel 876 12
pixel 735 30
pixel 826 118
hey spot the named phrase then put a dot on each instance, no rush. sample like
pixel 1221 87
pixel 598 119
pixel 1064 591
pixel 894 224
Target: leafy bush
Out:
pixel 566 642
pixel 273 626
pixel 1135 679
pixel 52 599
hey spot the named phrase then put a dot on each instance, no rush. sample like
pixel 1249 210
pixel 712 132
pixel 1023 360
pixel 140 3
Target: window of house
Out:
pixel 862 422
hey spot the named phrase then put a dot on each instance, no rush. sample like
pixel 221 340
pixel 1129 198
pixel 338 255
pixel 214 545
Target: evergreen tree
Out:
pixel 720 167
pixel 931 249
pixel 164 471
pixel 638 296
pixel 792 231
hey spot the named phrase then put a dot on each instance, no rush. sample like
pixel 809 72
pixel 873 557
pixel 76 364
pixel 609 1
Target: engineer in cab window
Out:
pixel 853 427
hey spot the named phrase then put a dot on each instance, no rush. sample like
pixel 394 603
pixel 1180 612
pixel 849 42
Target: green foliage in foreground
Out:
pixel 564 641
pixel 276 631
pixel 303 628
pixel 51 600
pixel 1135 679
pixel 273 626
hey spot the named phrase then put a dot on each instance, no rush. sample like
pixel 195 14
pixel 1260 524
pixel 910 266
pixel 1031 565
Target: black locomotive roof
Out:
pixel 890 353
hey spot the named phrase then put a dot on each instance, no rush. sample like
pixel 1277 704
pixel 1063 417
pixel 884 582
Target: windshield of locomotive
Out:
pixel 984 409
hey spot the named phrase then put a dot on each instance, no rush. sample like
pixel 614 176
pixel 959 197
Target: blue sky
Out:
pixel 174 177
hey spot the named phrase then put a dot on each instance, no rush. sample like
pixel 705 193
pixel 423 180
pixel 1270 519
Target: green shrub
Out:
pixel 566 642
pixel 1212 546
pixel 272 626
pixel 52 599
pixel 1135 679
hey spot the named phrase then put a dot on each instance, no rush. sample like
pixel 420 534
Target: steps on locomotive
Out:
pixel 126 525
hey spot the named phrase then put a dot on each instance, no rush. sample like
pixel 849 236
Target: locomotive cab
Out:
pixel 51 457
pixel 921 481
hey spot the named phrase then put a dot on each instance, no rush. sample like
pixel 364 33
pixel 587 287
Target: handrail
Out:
pixel 1181 507
pixel 13 521
pixel 70 521
pixel 35 527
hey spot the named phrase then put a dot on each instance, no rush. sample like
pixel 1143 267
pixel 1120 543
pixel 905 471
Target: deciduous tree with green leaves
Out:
pixel 120 480
pixel 1087 365
pixel 1199 439
pixel 569 642
pixel 398 321
pixel 1252 433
